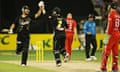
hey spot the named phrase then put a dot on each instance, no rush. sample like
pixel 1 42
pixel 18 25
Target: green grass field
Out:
pixel 48 55
pixel 77 55
pixel 6 67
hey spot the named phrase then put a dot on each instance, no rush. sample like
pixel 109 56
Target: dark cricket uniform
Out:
pixel 23 36
pixel 59 38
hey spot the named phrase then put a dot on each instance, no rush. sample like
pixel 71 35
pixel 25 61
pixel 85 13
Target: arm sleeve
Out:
pixel 32 17
pixel 16 20
pixel 54 25
pixel 85 28
pixel 66 26
pixel 75 24
pixel 110 23
pixel 16 23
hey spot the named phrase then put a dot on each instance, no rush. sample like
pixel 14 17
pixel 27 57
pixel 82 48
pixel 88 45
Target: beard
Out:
pixel 27 12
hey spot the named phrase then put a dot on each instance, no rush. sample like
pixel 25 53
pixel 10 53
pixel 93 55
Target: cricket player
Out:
pixel 59 26
pixel 112 38
pixel 90 38
pixel 22 23
pixel 70 33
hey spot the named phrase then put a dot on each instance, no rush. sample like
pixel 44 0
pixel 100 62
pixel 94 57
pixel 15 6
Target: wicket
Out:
pixel 39 51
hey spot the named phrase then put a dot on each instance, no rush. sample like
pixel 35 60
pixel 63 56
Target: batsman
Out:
pixel 112 38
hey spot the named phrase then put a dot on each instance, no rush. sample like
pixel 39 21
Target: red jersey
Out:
pixel 113 27
pixel 71 25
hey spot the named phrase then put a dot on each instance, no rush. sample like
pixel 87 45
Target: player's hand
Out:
pixel 41 5
pixel 10 31
pixel 44 12
pixel 89 33
pixel 106 39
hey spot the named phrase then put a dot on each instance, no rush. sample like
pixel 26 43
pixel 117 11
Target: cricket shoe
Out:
pixel 23 65
pixel 82 48
pixel 93 57
pixel 66 58
pixel 88 59
pixel 58 64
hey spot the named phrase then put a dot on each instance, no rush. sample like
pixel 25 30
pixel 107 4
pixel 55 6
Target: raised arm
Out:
pixel 38 13
pixel 41 9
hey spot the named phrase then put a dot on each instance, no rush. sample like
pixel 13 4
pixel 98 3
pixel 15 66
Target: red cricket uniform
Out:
pixel 69 34
pixel 113 29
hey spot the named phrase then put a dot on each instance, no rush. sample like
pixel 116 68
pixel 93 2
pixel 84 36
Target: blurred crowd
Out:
pixel 43 23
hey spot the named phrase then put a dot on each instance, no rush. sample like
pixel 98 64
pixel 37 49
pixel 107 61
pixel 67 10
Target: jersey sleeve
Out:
pixel 32 17
pixel 16 20
pixel 66 26
pixel 74 24
pixel 54 25
pixel 85 27
pixel 110 23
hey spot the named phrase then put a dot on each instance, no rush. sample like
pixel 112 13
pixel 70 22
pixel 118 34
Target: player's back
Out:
pixel 113 23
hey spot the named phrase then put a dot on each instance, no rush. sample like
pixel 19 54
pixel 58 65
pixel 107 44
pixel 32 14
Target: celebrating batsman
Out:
pixel 59 26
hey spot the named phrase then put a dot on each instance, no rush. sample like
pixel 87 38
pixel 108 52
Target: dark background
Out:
pixel 10 9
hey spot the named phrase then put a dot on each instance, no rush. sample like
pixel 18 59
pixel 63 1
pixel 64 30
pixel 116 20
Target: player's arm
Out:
pixel 38 13
pixel 75 30
pixel 110 24
pixel 109 28
pixel 11 28
pixel 13 25
pixel 41 9
pixel 85 28
pixel 66 26
pixel 44 11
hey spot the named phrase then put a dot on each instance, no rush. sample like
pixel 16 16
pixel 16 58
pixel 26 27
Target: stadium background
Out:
pixel 10 9
pixel 9 62
pixel 41 27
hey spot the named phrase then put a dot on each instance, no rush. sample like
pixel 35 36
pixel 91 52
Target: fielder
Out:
pixel 70 33
pixel 22 23
pixel 112 38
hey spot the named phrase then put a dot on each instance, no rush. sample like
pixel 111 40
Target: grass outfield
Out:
pixel 6 67
pixel 48 55
pixel 9 62
pixel 77 55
